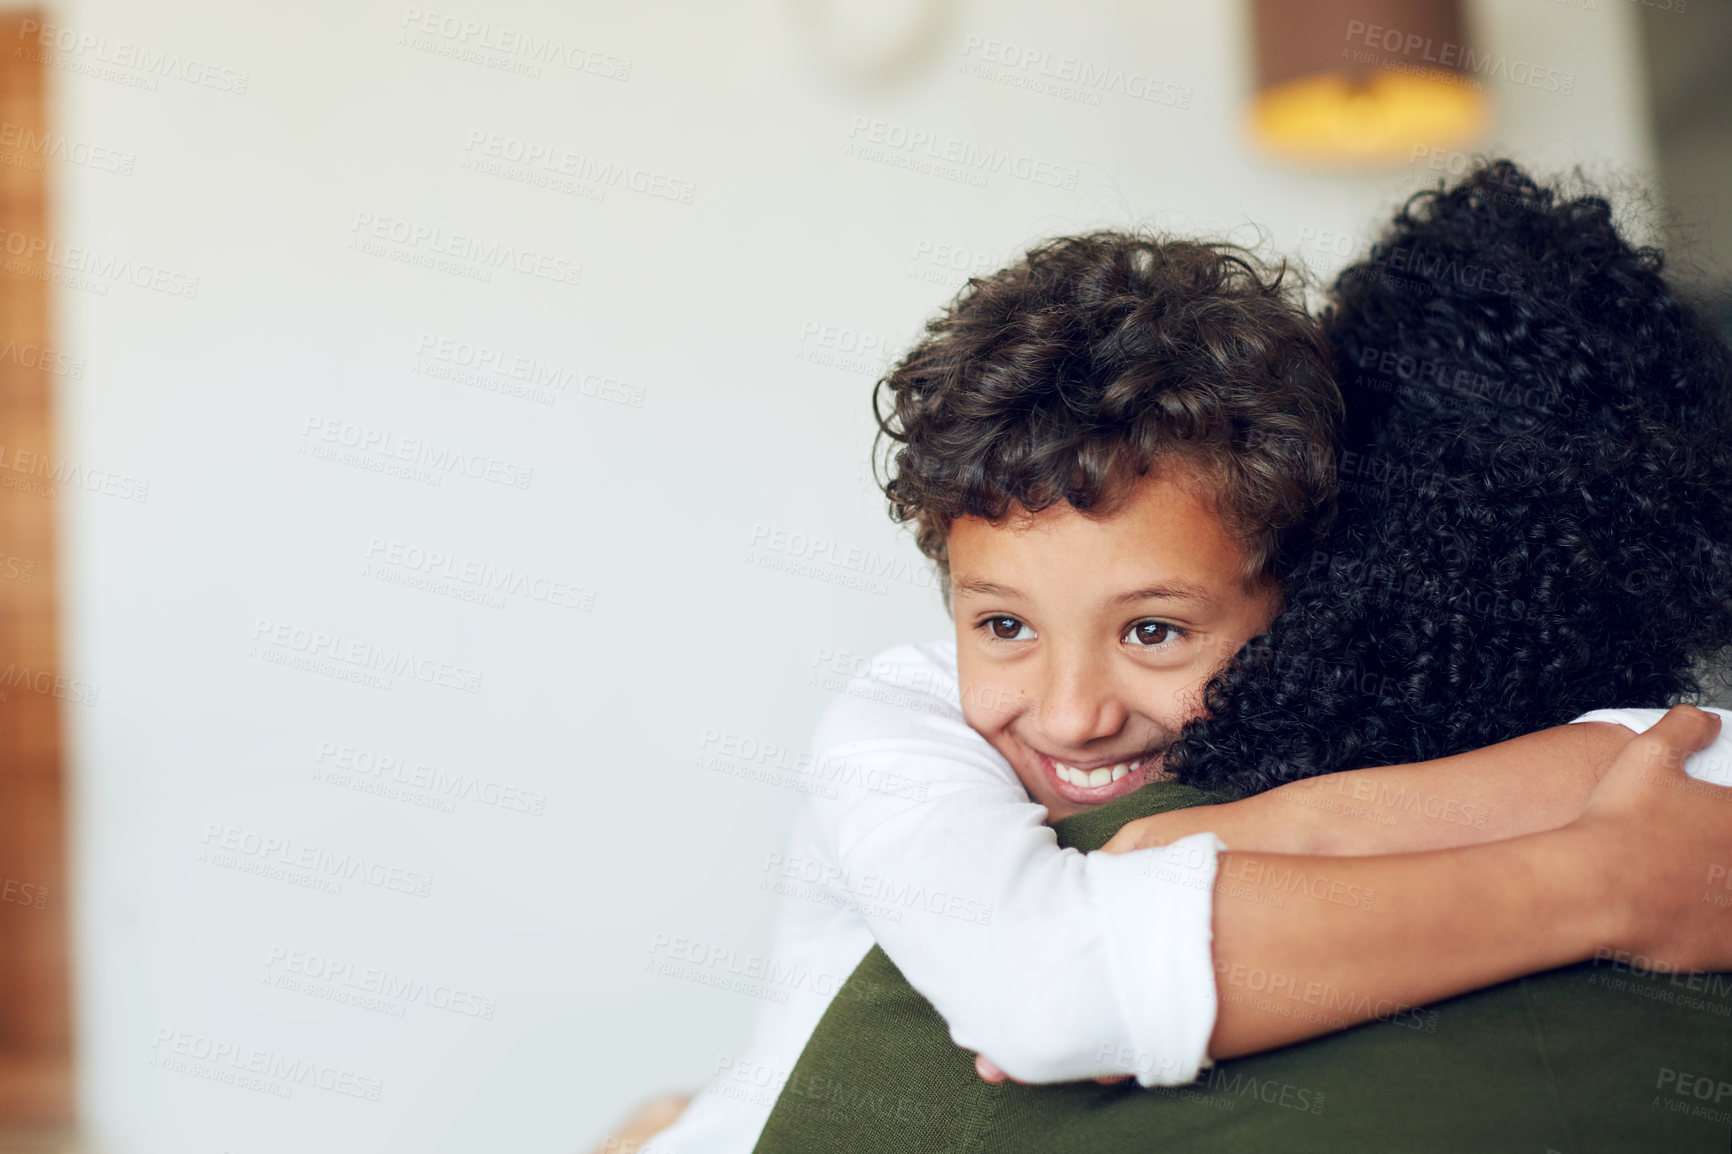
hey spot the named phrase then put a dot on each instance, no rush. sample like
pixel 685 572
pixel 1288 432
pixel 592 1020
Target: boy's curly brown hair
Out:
pixel 1070 374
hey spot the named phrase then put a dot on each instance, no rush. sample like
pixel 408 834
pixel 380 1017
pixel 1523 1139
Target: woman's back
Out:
pixel 1594 1059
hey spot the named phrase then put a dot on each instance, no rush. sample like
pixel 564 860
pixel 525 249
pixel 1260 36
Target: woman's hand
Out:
pixel 1664 840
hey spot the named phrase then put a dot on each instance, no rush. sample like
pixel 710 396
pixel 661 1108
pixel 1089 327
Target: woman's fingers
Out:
pixel 1138 833
pixel 1659 753
pixel 1661 836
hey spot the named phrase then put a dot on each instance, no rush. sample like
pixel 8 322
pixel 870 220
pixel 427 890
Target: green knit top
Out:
pixel 1593 1058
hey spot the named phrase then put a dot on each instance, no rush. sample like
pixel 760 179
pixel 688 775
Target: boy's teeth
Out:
pixel 1092 778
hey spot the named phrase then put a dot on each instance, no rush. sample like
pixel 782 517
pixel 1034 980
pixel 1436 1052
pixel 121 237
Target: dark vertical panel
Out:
pixel 35 1027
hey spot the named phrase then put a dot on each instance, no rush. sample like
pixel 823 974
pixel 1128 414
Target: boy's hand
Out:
pixel 989 1071
pixel 650 1119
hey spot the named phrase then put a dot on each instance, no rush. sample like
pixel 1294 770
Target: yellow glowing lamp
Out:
pixel 1364 82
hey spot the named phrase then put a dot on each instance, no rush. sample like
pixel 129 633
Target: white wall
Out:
pixel 706 313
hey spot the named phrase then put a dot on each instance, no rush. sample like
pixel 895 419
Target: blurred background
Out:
pixel 436 438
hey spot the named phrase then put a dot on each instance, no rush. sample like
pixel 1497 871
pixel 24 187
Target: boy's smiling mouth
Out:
pixel 1094 782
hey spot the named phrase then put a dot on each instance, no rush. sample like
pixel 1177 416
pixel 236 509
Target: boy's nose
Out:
pixel 1079 704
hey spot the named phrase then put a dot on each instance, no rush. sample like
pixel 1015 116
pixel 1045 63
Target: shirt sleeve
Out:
pixel 1055 964
pixel 1713 764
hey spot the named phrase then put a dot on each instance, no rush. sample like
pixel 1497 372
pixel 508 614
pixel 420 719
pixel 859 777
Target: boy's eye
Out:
pixel 1153 634
pixel 1006 628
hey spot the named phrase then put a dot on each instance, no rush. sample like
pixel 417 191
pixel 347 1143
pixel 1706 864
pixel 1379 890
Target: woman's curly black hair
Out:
pixel 1536 498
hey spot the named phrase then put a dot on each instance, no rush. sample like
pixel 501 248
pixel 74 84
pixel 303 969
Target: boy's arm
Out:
pixel 1043 957
pixel 1535 782
pixel 1055 964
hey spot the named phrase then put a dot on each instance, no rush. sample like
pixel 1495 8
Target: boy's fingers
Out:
pixel 989 1072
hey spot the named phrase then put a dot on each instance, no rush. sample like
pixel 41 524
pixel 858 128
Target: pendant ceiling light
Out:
pixel 1366 81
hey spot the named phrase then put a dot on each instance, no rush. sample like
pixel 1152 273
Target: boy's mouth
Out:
pixel 1097 784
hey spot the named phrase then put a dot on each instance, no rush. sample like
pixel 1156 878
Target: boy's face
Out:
pixel 1083 644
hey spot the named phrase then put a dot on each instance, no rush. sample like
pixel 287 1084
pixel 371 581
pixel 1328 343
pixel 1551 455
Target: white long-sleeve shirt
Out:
pixel 1058 965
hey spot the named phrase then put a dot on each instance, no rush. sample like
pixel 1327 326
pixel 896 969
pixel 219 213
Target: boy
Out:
pixel 1112 448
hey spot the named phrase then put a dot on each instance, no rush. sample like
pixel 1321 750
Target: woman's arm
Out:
pixel 1625 878
pixel 1536 782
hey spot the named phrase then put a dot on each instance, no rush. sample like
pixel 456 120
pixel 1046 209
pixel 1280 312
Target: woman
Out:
pixel 1523 518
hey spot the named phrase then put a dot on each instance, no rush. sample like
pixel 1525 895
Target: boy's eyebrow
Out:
pixel 983 588
pixel 1176 591
pixel 1172 591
